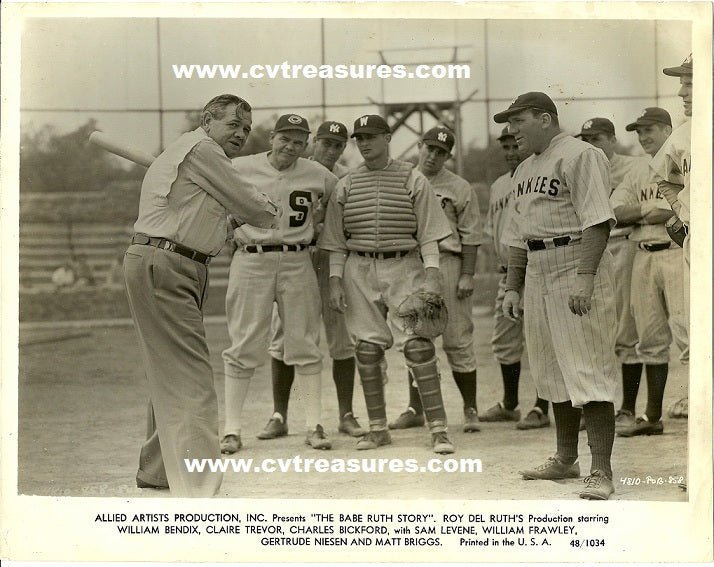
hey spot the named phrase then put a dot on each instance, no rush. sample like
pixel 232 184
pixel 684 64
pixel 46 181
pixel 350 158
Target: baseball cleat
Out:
pixel 535 419
pixel 500 413
pixel 374 439
pixel 624 419
pixel 274 429
pixel 350 426
pixel 231 444
pixel 407 420
pixel 679 409
pixel 471 420
pixel 552 469
pixel 143 484
pixel 317 438
pixel 597 487
pixel 642 426
pixel 441 444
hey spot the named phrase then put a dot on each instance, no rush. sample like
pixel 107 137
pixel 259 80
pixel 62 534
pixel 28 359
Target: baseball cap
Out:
pixel 649 116
pixel 291 122
pixel 597 125
pixel 505 134
pixel 441 137
pixel 371 124
pixel 332 130
pixel 686 68
pixel 536 100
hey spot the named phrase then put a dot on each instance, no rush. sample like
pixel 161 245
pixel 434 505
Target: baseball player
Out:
pixel 274 266
pixel 671 167
pixel 507 339
pixel 181 225
pixel 562 218
pixel 457 263
pixel 600 132
pixel 382 229
pixel 657 295
pixel 330 142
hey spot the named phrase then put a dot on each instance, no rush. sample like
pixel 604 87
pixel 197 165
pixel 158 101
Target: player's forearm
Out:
pixel 337 264
pixel 592 247
pixel 430 254
pixel 468 259
pixel 627 215
pixel 517 262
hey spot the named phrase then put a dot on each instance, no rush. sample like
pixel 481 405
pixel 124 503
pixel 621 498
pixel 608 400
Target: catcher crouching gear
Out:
pixel 424 314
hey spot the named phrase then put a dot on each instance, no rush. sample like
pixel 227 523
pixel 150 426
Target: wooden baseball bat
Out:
pixel 122 149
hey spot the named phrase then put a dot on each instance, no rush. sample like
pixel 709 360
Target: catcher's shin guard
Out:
pixel 369 356
pixel 421 360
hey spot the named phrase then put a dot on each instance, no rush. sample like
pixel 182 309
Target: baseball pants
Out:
pixel 623 253
pixel 457 340
pixel 374 289
pixel 166 293
pixel 571 357
pixel 507 339
pixel 255 282
pixel 658 304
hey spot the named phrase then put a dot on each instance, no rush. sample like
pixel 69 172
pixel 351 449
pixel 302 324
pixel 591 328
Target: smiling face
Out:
pixel 431 158
pixel 530 129
pixel 287 146
pixel 685 91
pixel 653 136
pixel 328 151
pixel 229 129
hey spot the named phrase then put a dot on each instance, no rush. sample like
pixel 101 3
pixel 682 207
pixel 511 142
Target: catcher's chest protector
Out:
pixel 378 212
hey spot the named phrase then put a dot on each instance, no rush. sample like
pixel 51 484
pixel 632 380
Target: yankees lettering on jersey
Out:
pixel 561 191
pixel 499 215
pixel 673 162
pixel 296 190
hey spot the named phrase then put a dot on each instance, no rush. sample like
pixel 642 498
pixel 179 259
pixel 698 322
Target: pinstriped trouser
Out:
pixel 571 357
pixel 166 293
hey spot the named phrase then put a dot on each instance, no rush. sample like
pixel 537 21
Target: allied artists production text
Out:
pixel 287 70
pixel 298 464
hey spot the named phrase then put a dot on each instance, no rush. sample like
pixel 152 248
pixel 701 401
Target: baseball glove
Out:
pixel 676 229
pixel 424 314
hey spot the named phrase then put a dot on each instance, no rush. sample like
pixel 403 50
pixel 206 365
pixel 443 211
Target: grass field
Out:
pixel 82 405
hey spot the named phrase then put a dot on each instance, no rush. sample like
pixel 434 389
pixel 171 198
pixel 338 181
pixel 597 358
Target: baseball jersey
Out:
pixel 431 222
pixel 296 190
pixel 460 204
pixel 636 188
pixel 619 167
pixel 187 190
pixel 499 212
pixel 673 162
pixel 561 191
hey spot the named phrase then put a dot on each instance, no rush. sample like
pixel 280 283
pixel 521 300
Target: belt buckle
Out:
pixel 168 245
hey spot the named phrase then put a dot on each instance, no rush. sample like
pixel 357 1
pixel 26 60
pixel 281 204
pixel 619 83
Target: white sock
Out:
pixel 309 387
pixel 236 389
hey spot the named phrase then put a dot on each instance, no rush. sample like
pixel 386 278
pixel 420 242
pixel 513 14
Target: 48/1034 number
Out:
pixel 587 543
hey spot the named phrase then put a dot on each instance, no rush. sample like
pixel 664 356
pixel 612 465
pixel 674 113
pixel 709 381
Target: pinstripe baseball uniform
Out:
pixel 558 193
pixel 657 294
pixel 507 338
pixel 460 204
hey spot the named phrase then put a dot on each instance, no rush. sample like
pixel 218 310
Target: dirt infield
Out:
pixel 82 405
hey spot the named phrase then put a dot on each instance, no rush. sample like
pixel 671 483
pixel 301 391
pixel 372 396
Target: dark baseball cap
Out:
pixel 535 100
pixel 332 130
pixel 686 68
pixel 596 126
pixel 291 122
pixel 649 116
pixel 371 124
pixel 505 134
pixel 441 137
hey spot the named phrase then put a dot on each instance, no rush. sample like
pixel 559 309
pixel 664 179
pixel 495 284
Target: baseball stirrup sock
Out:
pixel 426 376
pixel 309 391
pixel 414 397
pixel 466 382
pixel 511 374
pixel 542 405
pixel 282 377
pixel 567 429
pixel 631 374
pixel 656 382
pixel 600 425
pixel 343 374
pixel 373 388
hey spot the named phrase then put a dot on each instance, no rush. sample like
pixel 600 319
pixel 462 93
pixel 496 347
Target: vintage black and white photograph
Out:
pixel 401 258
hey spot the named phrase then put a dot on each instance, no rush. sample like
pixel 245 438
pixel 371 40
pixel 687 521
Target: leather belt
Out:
pixel 655 247
pixel 260 248
pixel 383 255
pixel 556 242
pixel 171 246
